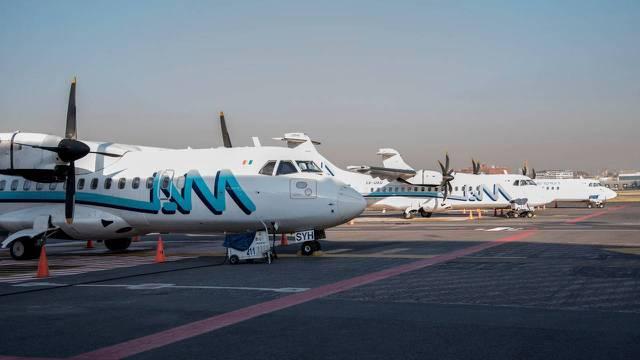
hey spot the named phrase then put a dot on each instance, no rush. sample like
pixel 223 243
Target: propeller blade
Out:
pixel 71 131
pixel 225 133
pixel 48 148
pixel 105 154
pixel 442 168
pixel 447 161
pixel 70 193
pixel 533 173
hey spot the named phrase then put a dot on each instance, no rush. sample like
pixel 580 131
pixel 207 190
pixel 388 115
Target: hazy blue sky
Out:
pixel 553 82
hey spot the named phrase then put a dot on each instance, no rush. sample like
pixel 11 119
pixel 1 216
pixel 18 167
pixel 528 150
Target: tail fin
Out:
pixel 392 159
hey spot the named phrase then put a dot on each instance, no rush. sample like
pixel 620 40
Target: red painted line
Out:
pixel 595 214
pixel 170 336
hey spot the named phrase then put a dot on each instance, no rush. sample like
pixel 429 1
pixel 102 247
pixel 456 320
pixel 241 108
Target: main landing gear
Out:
pixel 118 244
pixel 309 247
pixel 425 214
pixel 24 248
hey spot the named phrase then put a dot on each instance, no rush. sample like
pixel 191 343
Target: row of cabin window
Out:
pixel 419 189
pixel 553 188
pixel 93 184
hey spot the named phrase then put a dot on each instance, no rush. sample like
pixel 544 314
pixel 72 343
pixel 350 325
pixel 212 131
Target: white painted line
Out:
pixel 155 286
pixel 391 251
pixel 337 251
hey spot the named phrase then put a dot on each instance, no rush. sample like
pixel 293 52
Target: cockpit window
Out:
pixel 286 167
pixel 308 166
pixel 267 169
pixel 531 182
pixel 516 183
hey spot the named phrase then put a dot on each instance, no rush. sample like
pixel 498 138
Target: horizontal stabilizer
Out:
pixel 383 172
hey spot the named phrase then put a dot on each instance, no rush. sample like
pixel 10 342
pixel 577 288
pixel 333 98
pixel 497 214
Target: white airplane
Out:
pixel 589 191
pixel 52 187
pixel 397 186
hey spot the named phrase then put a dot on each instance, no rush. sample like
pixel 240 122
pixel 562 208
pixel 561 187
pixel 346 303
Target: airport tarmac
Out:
pixel 565 284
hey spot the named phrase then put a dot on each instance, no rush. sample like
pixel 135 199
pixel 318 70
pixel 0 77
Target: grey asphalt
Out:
pixel 571 290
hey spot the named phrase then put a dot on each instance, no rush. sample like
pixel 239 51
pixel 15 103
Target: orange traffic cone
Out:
pixel 43 264
pixel 160 251
pixel 89 244
pixel 284 241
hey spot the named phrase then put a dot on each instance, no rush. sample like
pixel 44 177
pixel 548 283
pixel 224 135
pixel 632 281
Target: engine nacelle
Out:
pixel 29 162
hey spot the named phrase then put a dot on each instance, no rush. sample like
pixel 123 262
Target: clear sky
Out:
pixel 554 82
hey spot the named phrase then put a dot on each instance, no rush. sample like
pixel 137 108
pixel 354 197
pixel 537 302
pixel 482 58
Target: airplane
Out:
pixel 397 186
pixel 589 191
pixel 65 188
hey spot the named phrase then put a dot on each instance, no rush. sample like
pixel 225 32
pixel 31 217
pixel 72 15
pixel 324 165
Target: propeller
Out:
pixel 533 173
pixel 524 169
pixel 475 167
pixel 225 133
pixel 446 177
pixel 69 150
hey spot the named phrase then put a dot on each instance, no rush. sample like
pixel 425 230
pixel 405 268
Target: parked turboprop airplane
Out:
pixel 398 186
pixel 71 189
pixel 589 191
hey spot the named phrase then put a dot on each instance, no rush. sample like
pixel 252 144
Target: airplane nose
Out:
pixel 350 203
pixel 611 194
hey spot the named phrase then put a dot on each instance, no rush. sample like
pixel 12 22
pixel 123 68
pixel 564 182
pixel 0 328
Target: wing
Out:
pixel 383 172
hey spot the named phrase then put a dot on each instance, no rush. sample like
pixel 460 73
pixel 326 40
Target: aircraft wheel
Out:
pixel 601 206
pixel 425 214
pixel 589 205
pixel 234 260
pixel 23 249
pixel 307 248
pixel 408 215
pixel 117 244
pixel 530 214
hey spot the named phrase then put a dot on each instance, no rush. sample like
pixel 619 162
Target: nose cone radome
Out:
pixel 610 194
pixel 350 203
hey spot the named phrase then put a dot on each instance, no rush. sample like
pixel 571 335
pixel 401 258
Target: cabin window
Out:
pixel 39 186
pixel 456 188
pixel 165 182
pixel 14 185
pixel 135 183
pixel 53 186
pixel 558 188
pixel 415 189
pixel 149 182
pixel 80 184
pixel 94 184
pixel 286 167
pixel 107 183
pixel 371 189
pixel 308 166
pixel 267 169
pixel 122 183
pixel 397 189
pixel 3 183
pixel 27 185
